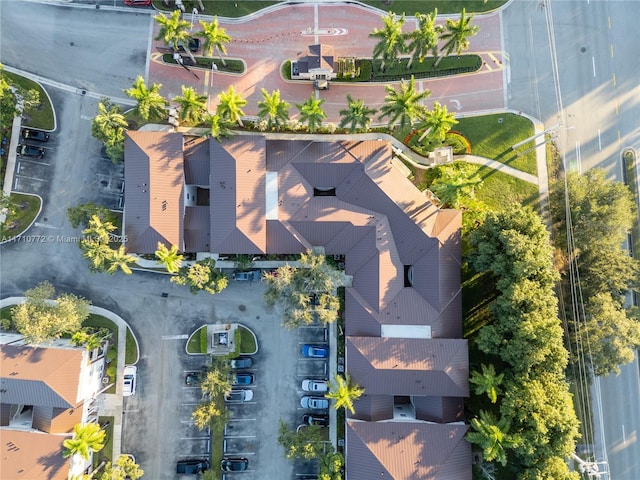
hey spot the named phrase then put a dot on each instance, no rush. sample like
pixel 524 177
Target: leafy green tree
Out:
pixel 193 106
pixel 43 316
pixel 230 106
pixel 81 214
pixel 294 289
pixel 124 468
pixel 344 392
pixel 305 444
pixel 90 341
pixel 170 258
pixel 391 40
pixel 173 30
pixel 86 439
pixel 456 185
pixel 202 275
pixel 216 382
pixel 273 109
pixel 97 253
pixel 424 39
pixel 331 466
pixel 403 106
pixel 207 412
pixel 357 116
pixel 8 101
pixel 108 126
pixel 456 34
pixel 492 436
pixel 215 38
pixel 219 127
pixel 311 112
pixel 150 103
pixel 437 122
pixel 487 382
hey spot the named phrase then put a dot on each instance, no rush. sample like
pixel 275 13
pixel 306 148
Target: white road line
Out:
pixel 593 62
pixel 44 225
pixel 175 337
pixel 194 438
pixel 599 141
pixel 240 436
pixel 189 404
pixel 241 420
pixel 34 161
pixel 624 437
pixel 31 178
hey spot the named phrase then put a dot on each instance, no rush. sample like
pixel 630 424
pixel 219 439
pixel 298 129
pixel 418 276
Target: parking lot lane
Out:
pixel 241 446
pixel 308 367
pixel 241 427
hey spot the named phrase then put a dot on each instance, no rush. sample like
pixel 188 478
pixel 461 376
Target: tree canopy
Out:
pixel 306 444
pixel 43 316
pixel 124 468
pixel 202 275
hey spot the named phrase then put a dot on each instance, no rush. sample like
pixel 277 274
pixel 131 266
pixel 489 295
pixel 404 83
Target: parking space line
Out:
pixel 189 404
pixel 31 178
pixel 194 438
pixel 34 161
pixel 175 337
pixel 241 420
pixel 239 436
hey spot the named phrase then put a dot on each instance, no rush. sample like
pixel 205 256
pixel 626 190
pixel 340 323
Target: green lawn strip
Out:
pixel 630 180
pixel 477 294
pixel 232 66
pixel 285 70
pixel 106 453
pixel 102 322
pixel 193 344
pixel 40 116
pixel 131 354
pixel 217 437
pixel 247 341
pixel 499 190
pixel 411 7
pixel 452 65
pixel 492 138
pixel 222 8
pixel 26 209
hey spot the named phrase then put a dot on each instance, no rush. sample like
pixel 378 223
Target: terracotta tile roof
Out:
pixel 28 455
pixel 47 377
pixel 407 451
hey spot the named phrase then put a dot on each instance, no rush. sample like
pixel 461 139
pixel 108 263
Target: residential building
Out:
pixel 316 64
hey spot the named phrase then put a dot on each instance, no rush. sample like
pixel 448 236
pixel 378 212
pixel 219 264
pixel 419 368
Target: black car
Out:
pixel 315 419
pixel 192 467
pixel 241 362
pixel 30 151
pixel 35 135
pixel 234 464
pixel 193 378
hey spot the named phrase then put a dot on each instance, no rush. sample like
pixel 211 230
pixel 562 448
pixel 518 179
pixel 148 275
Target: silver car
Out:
pixel 314 403
pixel 310 385
pixel 238 396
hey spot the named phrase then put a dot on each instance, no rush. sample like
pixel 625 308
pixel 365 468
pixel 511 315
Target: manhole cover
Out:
pixel 583 49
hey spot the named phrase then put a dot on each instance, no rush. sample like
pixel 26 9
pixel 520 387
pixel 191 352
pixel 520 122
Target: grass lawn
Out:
pixel 40 116
pixel 107 452
pixel 499 189
pixel 247 341
pixel 204 63
pixel 131 354
pixel 222 8
pixel 410 7
pixel 492 138
pixel 194 344
pixel 26 209
pixel 452 65
pixel 217 437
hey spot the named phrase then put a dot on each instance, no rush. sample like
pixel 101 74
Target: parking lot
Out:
pixel 33 173
pixel 107 184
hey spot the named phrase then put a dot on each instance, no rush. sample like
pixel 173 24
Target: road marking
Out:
pixel 614 79
pixel 609 21
pixel 599 141
pixel 619 139
pixel 593 63
pixel 175 337
pixel 617 109
pixel 456 103
pixel 242 420
pixel 30 178
pixel 189 404
pixel 240 436
pixel 44 225
pixel 131 411
pixel 86 117
pixel 611 48
pixel 34 161
pixel 624 437
pixel 194 438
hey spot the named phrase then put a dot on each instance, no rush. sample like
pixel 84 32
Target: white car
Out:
pixel 319 386
pixel 238 396
pixel 130 380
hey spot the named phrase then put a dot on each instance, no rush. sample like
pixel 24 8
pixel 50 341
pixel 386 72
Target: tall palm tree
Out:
pixel 425 38
pixel 391 39
pixel 487 382
pixel 404 105
pixel 109 124
pixel 99 230
pixel 150 102
pixel 437 122
pixel 214 37
pixel 456 34
pixel 311 112
pixel 491 435
pixel 193 106
pixel 357 115
pixel 170 258
pixel 86 439
pixel 273 109
pixel 120 260
pixel 219 127
pixel 97 253
pixel 344 392
pixel 230 106
pixel 173 30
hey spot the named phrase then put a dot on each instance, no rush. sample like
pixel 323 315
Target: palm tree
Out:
pixel 214 38
pixel 97 253
pixel 170 258
pixel 273 109
pixel 173 30
pixel 311 112
pixel 404 104
pixel 487 382
pixel 150 102
pixel 344 392
pixel 391 39
pixel 230 106
pixel 109 124
pixel 86 439
pixel 437 122
pixel 219 127
pixel 456 34
pixel 98 230
pixel 492 437
pixel 357 115
pixel 120 260
pixel 193 106
pixel 425 38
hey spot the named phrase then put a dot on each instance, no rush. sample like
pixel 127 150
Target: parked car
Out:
pixel 241 362
pixel 243 379
pixel 130 379
pixel 35 135
pixel 193 378
pixel 315 351
pixel 314 403
pixel 309 385
pixel 234 464
pixel 315 419
pixel 30 151
pixel 194 45
pixel 137 3
pixel 250 276
pixel 238 396
pixel 192 467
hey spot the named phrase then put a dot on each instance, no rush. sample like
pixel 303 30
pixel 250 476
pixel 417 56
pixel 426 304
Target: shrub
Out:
pixel 286 70
pixel 203 340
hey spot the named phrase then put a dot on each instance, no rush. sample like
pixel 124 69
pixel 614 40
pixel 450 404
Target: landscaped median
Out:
pixel 228 339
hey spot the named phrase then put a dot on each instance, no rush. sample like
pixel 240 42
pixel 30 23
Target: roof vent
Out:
pixel 164 205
